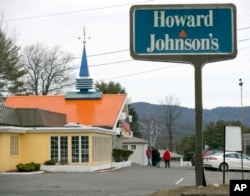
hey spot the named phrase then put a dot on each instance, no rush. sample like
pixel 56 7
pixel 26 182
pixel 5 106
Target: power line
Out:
pixel 243 28
pixel 244 40
pixel 100 54
pixel 73 12
pixel 124 61
pixel 115 62
pixel 116 51
pixel 139 73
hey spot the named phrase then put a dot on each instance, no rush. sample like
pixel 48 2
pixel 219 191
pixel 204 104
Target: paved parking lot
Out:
pixel 131 181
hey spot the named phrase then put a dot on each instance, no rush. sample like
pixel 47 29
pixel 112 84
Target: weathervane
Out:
pixel 84 36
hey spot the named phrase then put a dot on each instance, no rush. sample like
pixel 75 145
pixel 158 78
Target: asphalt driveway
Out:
pixel 131 181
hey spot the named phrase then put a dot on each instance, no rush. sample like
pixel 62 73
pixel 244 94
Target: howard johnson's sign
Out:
pixel 205 29
pixel 192 33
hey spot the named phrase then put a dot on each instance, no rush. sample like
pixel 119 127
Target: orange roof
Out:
pixel 101 112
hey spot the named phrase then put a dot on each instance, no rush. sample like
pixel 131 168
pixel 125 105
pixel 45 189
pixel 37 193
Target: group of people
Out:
pixel 154 157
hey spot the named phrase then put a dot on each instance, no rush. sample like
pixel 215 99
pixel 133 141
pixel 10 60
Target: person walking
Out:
pixel 167 158
pixel 157 158
pixel 154 156
pixel 149 156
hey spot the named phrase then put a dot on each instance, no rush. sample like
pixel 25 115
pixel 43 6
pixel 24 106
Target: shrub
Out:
pixel 25 167
pixel 117 155
pixel 49 162
pixel 126 154
pixel 36 165
pixel 120 155
pixel 28 167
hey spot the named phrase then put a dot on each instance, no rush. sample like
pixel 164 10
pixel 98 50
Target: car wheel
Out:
pixel 223 167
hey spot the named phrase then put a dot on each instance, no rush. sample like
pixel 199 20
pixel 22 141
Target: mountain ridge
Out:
pixel 186 121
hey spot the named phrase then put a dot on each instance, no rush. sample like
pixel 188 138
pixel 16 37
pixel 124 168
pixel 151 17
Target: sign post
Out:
pixel 189 33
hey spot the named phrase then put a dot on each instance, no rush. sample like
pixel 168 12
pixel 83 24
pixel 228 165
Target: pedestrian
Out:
pixel 149 156
pixel 167 158
pixel 153 156
pixel 157 158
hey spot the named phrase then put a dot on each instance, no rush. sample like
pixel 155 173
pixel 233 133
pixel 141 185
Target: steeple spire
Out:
pixel 84 70
pixel 84 83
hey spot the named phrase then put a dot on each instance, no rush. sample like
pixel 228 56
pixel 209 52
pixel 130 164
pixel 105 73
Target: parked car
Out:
pixel 205 153
pixel 232 161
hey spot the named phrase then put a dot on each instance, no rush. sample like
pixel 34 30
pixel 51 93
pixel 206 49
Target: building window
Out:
pixel 59 149
pixel 133 147
pixel 14 145
pixel 125 147
pixel 80 149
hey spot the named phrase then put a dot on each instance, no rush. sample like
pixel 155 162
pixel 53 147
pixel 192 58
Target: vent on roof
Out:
pixel 84 84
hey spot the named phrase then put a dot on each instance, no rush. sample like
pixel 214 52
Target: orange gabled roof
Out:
pixel 101 112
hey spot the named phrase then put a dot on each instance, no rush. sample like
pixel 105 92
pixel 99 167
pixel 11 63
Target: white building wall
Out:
pixel 139 155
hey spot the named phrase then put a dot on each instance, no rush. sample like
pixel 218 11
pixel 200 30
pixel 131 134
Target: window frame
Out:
pixel 14 145
pixel 59 149
pixel 79 149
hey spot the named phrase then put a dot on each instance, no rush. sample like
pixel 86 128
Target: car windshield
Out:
pixel 232 155
pixel 211 152
pixel 216 154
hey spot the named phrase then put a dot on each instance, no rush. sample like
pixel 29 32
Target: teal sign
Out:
pixel 182 29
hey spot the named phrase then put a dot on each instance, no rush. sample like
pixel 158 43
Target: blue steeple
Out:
pixel 84 83
pixel 84 70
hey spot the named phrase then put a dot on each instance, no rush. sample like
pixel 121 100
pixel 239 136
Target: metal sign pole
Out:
pixel 199 171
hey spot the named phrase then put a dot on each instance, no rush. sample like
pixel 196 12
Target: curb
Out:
pixel 21 173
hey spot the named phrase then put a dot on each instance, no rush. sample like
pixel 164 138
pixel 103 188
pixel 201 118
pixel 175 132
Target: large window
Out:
pixel 80 149
pixel 59 149
pixel 14 145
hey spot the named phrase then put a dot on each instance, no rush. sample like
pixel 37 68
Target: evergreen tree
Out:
pixel 214 133
pixel 110 88
pixel 10 69
pixel 134 124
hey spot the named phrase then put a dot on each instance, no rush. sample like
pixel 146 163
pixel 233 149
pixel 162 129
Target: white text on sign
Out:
pixel 166 43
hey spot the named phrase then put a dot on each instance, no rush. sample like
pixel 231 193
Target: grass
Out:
pixel 215 190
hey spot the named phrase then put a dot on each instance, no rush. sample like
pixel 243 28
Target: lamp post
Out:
pixel 241 109
pixel 241 120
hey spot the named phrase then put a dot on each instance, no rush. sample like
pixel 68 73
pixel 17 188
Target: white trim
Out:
pixel 85 168
pixel 12 129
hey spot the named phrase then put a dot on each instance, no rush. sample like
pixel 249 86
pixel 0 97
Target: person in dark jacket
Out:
pixel 167 158
pixel 154 156
pixel 157 158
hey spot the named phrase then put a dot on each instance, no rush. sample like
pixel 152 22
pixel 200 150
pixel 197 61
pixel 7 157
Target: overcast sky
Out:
pixel 61 22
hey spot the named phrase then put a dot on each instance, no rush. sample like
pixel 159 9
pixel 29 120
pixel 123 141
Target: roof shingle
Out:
pixel 102 112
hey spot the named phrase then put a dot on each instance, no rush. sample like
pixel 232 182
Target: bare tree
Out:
pixel 49 70
pixel 152 128
pixel 170 113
